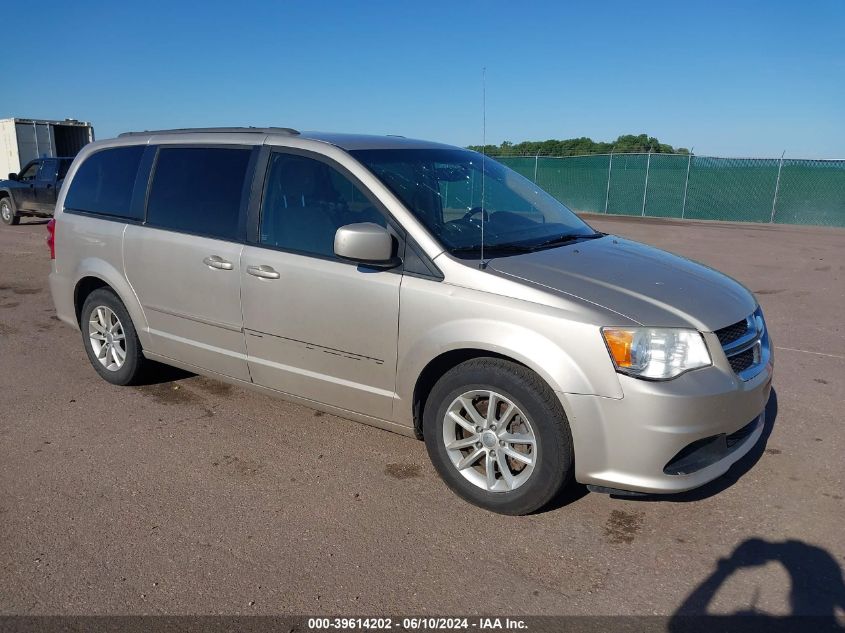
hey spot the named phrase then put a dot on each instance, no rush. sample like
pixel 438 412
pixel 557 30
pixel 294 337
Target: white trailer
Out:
pixel 22 140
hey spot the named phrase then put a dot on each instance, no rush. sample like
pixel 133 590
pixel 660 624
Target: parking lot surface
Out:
pixel 190 496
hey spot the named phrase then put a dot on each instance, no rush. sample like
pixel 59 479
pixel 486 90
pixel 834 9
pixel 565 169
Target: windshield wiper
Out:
pixel 498 248
pixel 525 248
pixel 565 239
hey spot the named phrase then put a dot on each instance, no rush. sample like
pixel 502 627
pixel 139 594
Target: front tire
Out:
pixel 498 436
pixel 7 212
pixel 110 339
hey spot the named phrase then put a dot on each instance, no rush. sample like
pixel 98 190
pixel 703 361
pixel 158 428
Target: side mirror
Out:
pixel 365 243
pixel 13 176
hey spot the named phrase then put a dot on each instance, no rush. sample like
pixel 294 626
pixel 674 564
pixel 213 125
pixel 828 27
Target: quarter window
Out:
pixel 103 184
pixel 64 166
pixel 198 190
pixel 306 201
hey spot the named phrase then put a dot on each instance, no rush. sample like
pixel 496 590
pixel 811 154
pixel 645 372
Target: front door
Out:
pixel 318 327
pixel 45 186
pixel 25 194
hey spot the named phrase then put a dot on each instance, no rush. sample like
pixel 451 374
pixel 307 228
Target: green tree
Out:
pixel 626 143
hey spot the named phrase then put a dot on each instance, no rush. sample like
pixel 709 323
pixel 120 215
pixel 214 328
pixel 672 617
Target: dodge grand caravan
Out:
pixel 417 287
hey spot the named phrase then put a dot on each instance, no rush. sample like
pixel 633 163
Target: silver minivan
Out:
pixel 417 287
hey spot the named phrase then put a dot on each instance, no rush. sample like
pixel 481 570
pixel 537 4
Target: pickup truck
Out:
pixel 33 191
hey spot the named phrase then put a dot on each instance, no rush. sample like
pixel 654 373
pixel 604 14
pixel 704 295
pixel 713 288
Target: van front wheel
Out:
pixel 498 436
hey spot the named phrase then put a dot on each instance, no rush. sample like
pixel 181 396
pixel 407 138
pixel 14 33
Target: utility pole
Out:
pixel 645 190
pixel 777 188
pixel 686 183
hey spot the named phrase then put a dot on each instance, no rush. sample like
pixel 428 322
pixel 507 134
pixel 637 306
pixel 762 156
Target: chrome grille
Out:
pixel 746 345
pixel 732 332
pixel 742 361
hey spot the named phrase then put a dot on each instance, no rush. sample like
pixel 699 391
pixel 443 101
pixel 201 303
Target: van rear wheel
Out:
pixel 7 212
pixel 110 339
pixel 498 436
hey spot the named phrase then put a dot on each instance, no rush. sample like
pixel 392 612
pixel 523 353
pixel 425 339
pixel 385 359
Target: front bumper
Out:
pixel 667 437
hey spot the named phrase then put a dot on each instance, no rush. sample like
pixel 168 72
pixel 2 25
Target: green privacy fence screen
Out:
pixel 787 191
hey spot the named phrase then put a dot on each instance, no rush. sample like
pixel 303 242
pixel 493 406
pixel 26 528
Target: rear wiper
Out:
pixel 566 238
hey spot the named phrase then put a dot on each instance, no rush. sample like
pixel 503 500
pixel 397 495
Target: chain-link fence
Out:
pixel 788 191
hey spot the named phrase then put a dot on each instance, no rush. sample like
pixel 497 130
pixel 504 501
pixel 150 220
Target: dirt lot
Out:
pixel 190 496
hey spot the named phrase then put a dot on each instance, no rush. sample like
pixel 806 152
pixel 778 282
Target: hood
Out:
pixel 642 283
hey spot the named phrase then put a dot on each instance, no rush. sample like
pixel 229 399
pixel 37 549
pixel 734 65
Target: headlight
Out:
pixel 655 353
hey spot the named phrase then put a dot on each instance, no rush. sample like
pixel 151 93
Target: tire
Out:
pixel 538 415
pixel 100 306
pixel 7 212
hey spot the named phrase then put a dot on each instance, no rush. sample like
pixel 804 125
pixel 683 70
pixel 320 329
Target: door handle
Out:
pixel 264 272
pixel 215 261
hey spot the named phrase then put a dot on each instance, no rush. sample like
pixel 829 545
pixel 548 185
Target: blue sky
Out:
pixel 729 78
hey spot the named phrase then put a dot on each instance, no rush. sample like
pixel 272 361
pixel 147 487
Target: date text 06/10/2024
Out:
pixel 416 624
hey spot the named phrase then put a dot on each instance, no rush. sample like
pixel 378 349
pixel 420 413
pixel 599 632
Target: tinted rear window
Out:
pixel 198 190
pixel 103 183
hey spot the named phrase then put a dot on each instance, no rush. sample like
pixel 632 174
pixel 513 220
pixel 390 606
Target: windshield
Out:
pixel 444 188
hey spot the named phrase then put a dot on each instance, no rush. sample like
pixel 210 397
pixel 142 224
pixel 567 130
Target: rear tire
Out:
pixel 7 212
pixel 110 339
pixel 511 461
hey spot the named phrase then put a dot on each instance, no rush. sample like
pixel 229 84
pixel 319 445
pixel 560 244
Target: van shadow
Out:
pixel 158 374
pixel 569 494
pixel 736 472
pixel 817 591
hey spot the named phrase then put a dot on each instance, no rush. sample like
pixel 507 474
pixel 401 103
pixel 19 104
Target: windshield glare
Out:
pixel 447 192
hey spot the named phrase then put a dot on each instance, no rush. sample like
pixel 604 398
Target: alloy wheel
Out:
pixel 489 440
pixel 108 340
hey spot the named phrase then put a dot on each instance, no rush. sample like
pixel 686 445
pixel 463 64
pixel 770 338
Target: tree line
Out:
pixel 627 143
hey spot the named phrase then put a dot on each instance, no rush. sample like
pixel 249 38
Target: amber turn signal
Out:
pixel 619 342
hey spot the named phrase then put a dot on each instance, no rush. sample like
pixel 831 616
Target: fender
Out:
pixel 554 361
pixel 101 269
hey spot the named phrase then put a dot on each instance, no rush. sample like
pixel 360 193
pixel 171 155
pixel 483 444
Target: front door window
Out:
pixel 306 201
pixel 30 173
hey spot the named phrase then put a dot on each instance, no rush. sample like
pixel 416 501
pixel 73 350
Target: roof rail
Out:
pixel 218 130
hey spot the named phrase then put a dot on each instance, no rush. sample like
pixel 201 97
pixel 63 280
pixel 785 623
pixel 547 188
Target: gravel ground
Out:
pixel 191 496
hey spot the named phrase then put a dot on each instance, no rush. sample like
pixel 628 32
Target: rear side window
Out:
pixel 48 170
pixel 198 190
pixel 103 184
